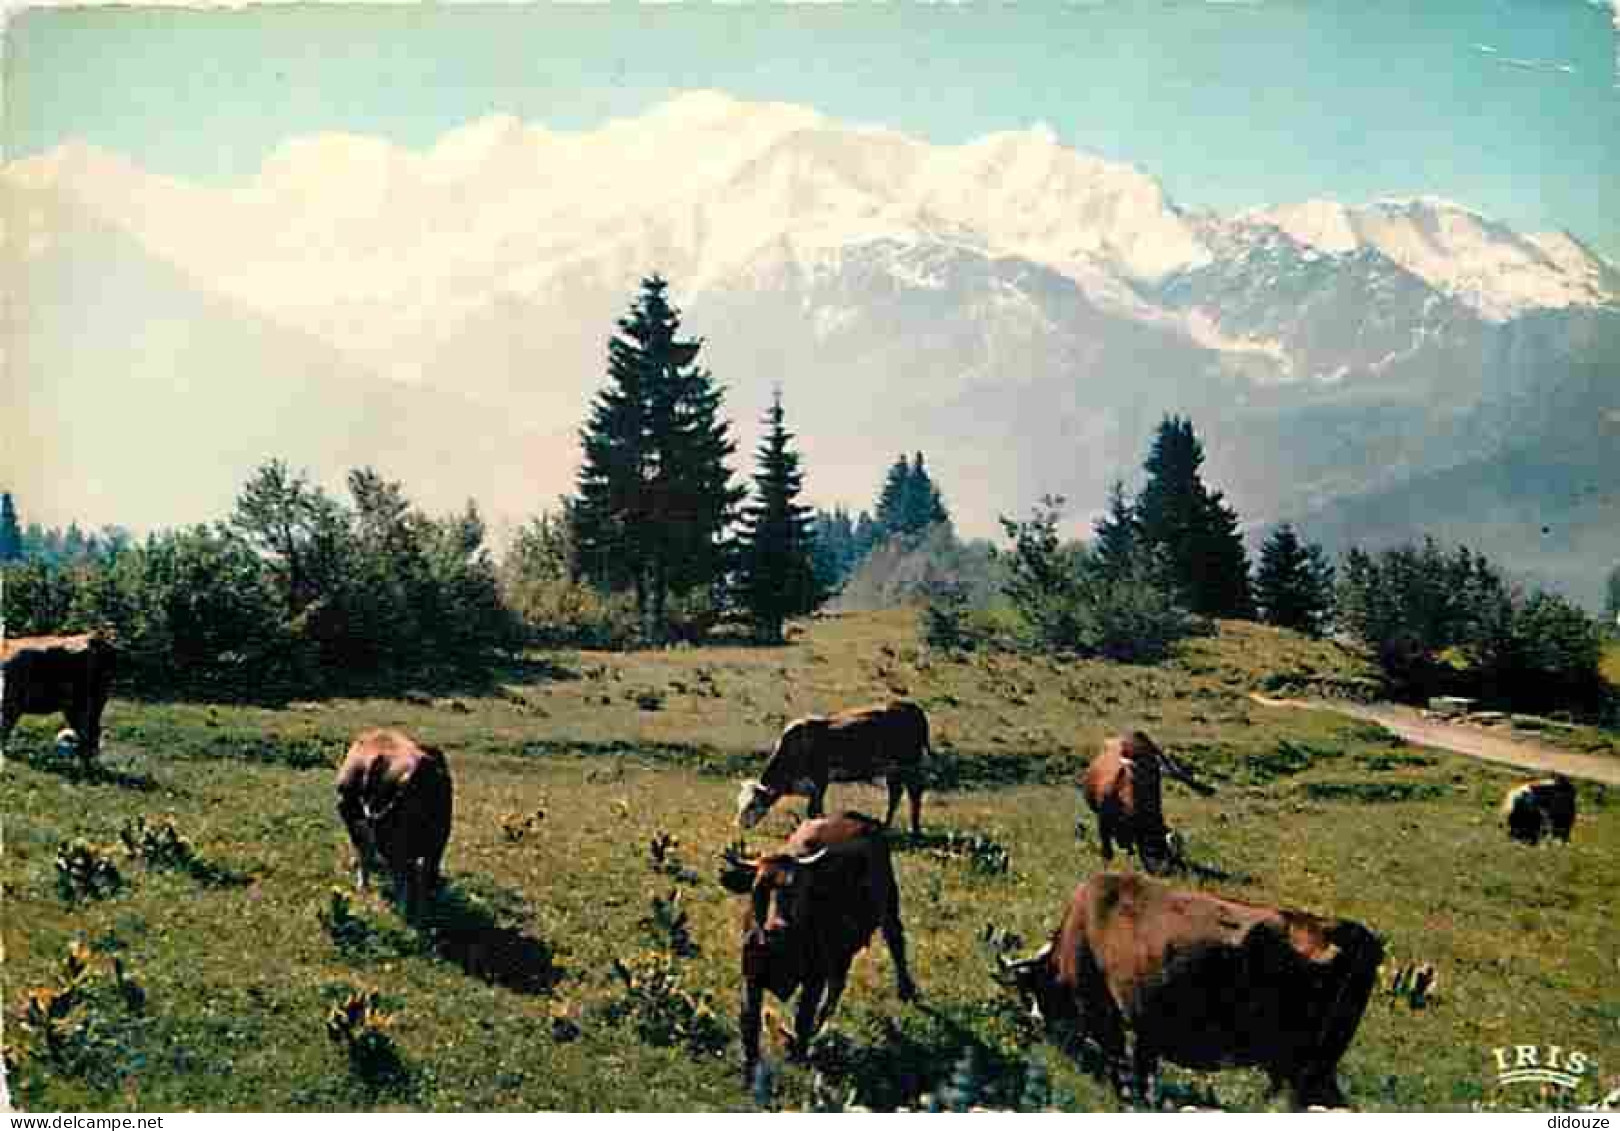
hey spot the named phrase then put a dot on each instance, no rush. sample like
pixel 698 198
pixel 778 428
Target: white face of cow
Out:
pixel 67 742
pixel 753 802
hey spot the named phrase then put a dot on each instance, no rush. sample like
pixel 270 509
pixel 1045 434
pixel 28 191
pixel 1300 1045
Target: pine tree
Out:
pixel 1614 597
pixel 1294 583
pixel 1117 534
pixel 921 504
pixel 1192 534
pixel 891 504
pixel 777 578
pixel 867 535
pixel 654 492
pixel 11 541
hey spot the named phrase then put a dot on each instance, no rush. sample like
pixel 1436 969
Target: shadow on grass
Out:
pixel 478 676
pixel 460 929
pixel 916 1055
pixel 97 773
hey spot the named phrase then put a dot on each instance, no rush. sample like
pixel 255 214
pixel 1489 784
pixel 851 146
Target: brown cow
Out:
pixel 1545 807
pixel 1205 982
pixel 859 744
pixel 814 905
pixel 71 674
pixel 1122 786
pixel 395 799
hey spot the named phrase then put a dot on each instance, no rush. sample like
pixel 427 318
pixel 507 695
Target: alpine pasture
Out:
pixel 583 956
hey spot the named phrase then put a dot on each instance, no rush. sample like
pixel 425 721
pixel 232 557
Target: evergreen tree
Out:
pixel 891 503
pixel 867 535
pixel 654 492
pixel 1190 533
pixel 11 540
pixel 1294 583
pixel 1613 608
pixel 1117 534
pixel 835 545
pixel 777 578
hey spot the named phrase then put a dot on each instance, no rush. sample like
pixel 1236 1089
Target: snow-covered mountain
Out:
pixel 1021 311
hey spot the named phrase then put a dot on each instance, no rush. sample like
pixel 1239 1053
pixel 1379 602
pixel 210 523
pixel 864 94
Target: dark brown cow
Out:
pixel 71 674
pixel 1545 807
pixel 813 907
pixel 395 799
pixel 1122 786
pixel 860 744
pixel 1205 982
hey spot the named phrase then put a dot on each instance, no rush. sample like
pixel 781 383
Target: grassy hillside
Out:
pixel 567 774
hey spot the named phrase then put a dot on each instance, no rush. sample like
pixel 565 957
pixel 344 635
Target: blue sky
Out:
pixel 1230 104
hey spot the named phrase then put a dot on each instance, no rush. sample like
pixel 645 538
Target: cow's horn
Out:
pixel 814 857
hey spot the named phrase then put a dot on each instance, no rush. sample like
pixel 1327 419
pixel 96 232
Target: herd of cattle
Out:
pixel 1197 979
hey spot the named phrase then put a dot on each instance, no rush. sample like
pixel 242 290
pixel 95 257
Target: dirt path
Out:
pixel 1410 724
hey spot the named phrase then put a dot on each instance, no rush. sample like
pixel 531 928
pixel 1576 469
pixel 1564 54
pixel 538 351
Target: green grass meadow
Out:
pixel 566 772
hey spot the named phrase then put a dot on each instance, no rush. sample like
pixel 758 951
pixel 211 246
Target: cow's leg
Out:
pixel 804 1022
pixel 818 796
pixel 895 789
pixel 914 789
pixel 1145 1067
pixel 895 937
pixel 353 818
pixel 753 1000
pixel 1105 833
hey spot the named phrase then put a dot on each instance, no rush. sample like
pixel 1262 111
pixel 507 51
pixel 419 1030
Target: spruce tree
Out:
pixel 1190 533
pixel 11 542
pixel 777 575
pixel 921 504
pixel 1117 534
pixel 654 492
pixel 1613 608
pixel 891 504
pixel 1294 582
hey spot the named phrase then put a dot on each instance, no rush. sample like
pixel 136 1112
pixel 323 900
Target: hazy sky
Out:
pixel 1510 106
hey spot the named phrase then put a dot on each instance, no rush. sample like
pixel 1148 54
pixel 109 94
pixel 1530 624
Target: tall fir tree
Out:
pixel 1116 534
pixel 654 492
pixel 777 576
pixel 11 539
pixel 889 514
pixel 1613 608
pixel 1294 583
pixel 909 502
pixel 1192 535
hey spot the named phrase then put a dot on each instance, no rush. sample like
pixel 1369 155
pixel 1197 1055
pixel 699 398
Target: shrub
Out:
pixel 664 1013
pixel 360 1027
pixel 85 871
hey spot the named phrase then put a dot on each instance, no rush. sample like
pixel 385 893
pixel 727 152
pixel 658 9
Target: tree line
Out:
pixel 660 542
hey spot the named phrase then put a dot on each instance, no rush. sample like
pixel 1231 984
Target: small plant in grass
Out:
pixel 982 853
pixel 664 1013
pixel 346 929
pixel 661 856
pixel 1414 984
pixel 70 1026
pixel 515 826
pixel 86 871
pixel 158 844
pixel 667 925
pixel 360 1027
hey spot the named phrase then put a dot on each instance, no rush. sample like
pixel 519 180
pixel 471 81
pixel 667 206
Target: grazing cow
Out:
pixel 814 905
pixel 1204 982
pixel 394 796
pixel 1122 786
pixel 1540 808
pixel 71 674
pixel 859 744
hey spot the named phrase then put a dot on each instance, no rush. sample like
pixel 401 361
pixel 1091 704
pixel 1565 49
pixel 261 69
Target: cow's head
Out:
pixel 754 800
pixel 1036 985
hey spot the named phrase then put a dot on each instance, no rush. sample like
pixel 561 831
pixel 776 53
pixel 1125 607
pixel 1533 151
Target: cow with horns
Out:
pixel 813 906
pixel 1123 788
pixel 859 744
pixel 1204 982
